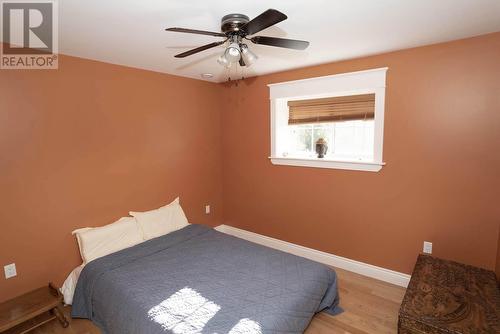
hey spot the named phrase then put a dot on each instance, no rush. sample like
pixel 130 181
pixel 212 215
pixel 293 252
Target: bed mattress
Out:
pixel 199 280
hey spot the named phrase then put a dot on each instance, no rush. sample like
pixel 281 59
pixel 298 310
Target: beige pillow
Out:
pixel 161 221
pixel 100 241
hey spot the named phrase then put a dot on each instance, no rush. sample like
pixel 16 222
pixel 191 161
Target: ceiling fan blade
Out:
pixel 268 18
pixel 280 42
pixel 199 49
pixel 199 32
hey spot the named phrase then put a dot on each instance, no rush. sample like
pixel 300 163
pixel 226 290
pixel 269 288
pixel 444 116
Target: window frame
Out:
pixel 353 83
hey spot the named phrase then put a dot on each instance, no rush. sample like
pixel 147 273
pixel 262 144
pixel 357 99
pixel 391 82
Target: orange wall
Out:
pixel 441 145
pixel 83 145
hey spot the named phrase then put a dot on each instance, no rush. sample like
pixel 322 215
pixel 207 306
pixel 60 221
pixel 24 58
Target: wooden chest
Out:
pixel 449 297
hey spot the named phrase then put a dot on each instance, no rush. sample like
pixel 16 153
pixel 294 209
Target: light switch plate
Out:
pixel 207 209
pixel 10 270
pixel 427 247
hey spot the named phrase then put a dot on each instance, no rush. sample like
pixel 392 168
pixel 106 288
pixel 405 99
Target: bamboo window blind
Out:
pixel 332 109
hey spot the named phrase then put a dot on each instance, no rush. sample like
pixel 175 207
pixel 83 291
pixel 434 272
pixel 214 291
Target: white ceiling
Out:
pixel 131 32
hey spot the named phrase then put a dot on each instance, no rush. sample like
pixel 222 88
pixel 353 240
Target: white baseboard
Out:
pixel 361 268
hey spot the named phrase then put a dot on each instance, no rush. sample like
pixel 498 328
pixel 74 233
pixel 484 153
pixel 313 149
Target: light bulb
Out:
pixel 232 53
pixel 248 56
pixel 222 60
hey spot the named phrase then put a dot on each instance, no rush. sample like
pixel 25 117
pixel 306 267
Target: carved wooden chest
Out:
pixel 449 297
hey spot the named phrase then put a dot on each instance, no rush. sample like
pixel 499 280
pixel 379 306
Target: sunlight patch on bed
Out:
pixel 186 311
pixel 246 326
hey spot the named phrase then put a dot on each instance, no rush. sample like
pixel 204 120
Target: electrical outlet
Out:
pixel 207 209
pixel 427 247
pixel 10 270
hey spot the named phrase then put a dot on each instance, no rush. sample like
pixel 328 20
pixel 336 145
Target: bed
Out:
pixel 199 280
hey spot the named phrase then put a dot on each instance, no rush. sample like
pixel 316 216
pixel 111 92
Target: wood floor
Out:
pixel 370 306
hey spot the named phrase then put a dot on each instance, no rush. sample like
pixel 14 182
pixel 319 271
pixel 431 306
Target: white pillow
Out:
pixel 161 221
pixel 100 241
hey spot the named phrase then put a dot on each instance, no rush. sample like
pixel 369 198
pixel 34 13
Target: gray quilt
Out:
pixel 198 280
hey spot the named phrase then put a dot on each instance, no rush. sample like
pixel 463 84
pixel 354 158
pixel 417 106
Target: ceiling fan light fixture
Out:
pixel 233 53
pixel 237 27
pixel 248 56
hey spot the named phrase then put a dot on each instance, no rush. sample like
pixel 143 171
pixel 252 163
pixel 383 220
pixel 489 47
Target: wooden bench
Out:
pixel 449 297
pixel 31 310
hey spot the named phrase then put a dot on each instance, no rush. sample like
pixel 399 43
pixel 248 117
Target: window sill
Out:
pixel 334 164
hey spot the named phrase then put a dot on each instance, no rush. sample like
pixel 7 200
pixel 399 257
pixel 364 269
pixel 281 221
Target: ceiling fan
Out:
pixel 235 28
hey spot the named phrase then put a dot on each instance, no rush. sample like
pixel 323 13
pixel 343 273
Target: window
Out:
pixel 345 110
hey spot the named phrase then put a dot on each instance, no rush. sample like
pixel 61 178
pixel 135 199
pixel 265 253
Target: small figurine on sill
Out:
pixel 321 147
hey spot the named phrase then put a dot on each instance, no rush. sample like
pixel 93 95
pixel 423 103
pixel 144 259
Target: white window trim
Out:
pixel 353 83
